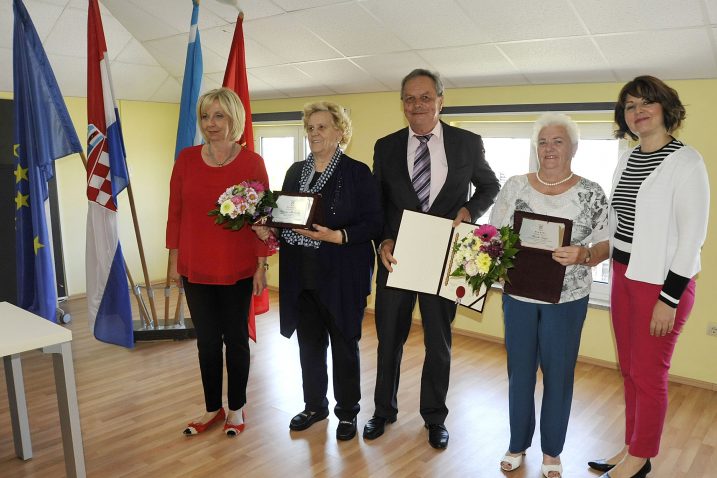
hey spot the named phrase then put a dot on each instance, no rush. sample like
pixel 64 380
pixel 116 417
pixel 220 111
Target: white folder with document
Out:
pixel 424 251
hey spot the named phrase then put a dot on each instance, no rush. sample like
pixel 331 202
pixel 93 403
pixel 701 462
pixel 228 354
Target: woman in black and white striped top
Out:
pixel 658 222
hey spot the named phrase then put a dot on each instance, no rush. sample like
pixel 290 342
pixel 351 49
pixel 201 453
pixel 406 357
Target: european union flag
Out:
pixel 43 133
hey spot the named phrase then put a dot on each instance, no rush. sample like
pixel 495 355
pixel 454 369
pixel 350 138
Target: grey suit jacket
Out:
pixel 466 166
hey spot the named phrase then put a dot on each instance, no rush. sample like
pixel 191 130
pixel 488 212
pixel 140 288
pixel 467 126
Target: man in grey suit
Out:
pixel 429 166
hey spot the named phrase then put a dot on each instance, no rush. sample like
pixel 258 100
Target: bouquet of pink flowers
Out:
pixel 246 202
pixel 486 256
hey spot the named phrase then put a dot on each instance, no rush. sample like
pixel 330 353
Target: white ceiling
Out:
pixel 324 47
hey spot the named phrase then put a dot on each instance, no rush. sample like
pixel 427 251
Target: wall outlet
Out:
pixel 712 329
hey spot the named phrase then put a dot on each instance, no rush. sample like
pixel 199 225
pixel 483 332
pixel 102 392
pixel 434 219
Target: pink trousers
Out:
pixel 644 359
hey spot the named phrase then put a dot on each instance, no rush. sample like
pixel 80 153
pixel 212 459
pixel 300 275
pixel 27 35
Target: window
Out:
pixel 507 146
pixel 280 146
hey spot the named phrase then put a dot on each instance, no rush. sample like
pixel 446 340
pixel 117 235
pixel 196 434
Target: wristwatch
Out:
pixel 265 265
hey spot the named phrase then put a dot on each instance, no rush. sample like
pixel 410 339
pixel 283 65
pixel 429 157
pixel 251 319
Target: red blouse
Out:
pixel 208 253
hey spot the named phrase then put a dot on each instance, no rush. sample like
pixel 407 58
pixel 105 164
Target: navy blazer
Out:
pixel 350 201
pixel 466 165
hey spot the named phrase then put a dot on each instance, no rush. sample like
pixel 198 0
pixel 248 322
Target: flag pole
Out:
pixel 142 308
pixel 138 235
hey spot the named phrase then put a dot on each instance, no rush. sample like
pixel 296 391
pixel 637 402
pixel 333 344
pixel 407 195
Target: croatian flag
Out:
pixel 187 132
pixel 110 314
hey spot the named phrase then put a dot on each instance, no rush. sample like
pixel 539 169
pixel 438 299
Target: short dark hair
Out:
pixel 433 75
pixel 653 90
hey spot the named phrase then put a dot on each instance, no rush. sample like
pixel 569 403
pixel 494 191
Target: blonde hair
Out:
pixel 341 120
pixel 230 103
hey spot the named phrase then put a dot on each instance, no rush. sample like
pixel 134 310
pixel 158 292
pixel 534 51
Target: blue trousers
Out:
pixel 545 335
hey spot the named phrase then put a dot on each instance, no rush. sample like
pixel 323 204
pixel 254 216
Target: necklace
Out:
pixel 544 183
pixel 222 163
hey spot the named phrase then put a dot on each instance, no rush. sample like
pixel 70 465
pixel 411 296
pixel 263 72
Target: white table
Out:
pixel 21 331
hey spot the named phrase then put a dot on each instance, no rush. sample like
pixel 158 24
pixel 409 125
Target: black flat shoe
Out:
pixel 375 427
pixel 601 465
pixel 346 429
pixel 641 473
pixel 437 435
pixel 305 419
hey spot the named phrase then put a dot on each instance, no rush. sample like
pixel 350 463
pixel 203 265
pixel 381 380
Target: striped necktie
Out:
pixel 422 171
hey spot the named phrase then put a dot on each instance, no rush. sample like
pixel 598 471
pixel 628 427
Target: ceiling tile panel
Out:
pixel 390 68
pixel 291 81
pixel 675 54
pixel 468 61
pixel 135 52
pixel 342 76
pixel 168 92
pixel 71 74
pixel 610 16
pixel 219 41
pixel 253 9
pixel 6 59
pixel 136 81
pixel 511 20
pixel 558 61
pixel 446 25
pixel 176 14
pixel 6 25
pixel 294 5
pixel 69 35
pixel 142 25
pixel 285 36
pixel 362 34
pixel 43 16
pixel 171 53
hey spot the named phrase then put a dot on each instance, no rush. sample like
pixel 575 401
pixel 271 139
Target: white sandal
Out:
pixel 513 461
pixel 546 469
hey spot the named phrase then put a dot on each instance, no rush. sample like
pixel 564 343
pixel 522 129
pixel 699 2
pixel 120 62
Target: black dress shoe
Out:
pixel 374 428
pixel 346 429
pixel 305 419
pixel 641 473
pixel 437 435
pixel 601 465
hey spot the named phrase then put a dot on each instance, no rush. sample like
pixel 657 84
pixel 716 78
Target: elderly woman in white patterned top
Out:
pixel 538 333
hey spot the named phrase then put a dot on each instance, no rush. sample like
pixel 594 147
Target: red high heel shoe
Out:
pixel 233 430
pixel 195 428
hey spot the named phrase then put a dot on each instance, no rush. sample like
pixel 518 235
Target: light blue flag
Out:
pixel 187 132
pixel 43 133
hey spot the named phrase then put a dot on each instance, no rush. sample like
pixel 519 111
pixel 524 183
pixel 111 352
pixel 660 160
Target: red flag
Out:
pixel 235 79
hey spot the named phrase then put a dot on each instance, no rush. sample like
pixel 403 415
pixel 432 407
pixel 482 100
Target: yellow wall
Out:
pixel 150 130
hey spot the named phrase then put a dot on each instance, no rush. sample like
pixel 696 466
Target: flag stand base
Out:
pixel 171 332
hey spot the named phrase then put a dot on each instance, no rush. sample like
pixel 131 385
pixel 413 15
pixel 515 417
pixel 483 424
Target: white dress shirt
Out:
pixel 439 163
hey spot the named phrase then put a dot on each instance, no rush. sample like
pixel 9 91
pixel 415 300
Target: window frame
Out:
pixel 594 124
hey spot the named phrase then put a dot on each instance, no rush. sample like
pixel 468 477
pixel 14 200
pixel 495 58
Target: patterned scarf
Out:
pixel 307 173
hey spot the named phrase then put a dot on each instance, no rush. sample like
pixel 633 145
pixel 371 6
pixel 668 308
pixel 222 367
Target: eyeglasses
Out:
pixel 423 99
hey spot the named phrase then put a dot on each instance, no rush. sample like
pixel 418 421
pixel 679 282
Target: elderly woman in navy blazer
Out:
pixel 325 273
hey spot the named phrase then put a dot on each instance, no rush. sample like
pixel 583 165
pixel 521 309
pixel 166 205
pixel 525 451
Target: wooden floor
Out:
pixel 134 405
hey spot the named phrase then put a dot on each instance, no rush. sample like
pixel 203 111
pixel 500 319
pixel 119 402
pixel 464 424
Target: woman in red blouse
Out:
pixel 218 268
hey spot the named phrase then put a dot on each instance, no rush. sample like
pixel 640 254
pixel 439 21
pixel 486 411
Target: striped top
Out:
pixel 639 166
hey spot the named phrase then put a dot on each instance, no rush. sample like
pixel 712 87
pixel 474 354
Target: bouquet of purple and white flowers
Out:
pixel 485 256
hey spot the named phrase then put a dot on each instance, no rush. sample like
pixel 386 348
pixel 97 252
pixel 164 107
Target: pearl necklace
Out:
pixel 220 164
pixel 545 183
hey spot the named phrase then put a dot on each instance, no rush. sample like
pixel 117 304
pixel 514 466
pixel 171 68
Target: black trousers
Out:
pixel 220 315
pixel 394 310
pixel 314 329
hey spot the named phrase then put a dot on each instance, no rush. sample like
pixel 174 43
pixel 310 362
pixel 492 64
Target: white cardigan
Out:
pixel 671 212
